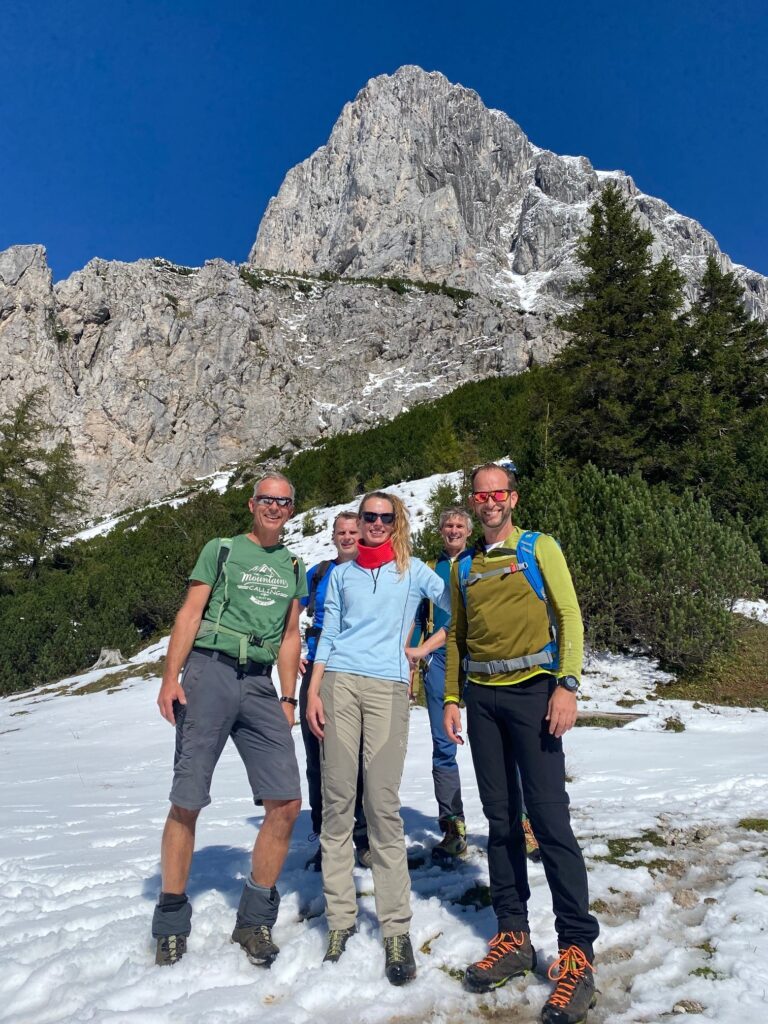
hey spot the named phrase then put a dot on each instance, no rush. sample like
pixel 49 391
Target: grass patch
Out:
pixel 736 678
pixel 625 702
pixel 707 972
pixel 479 897
pixel 622 852
pixel 452 972
pixel 673 724
pixel 600 721
pixel 111 682
pixel 754 824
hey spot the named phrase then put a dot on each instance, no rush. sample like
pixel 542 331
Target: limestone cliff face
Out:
pixel 420 179
pixel 160 373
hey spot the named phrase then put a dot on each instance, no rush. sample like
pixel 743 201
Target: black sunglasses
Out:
pixel 387 518
pixel 269 499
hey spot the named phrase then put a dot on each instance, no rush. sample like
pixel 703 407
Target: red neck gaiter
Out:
pixel 374 558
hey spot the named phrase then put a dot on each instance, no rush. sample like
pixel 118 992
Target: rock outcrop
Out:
pixel 160 374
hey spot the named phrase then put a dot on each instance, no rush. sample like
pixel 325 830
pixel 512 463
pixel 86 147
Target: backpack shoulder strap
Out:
pixel 526 560
pixel 317 577
pixel 225 547
pixel 465 564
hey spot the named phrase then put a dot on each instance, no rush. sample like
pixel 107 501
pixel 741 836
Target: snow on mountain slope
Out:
pixel 85 769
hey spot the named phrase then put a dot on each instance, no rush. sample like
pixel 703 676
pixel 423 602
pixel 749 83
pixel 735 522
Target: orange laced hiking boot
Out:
pixel 532 851
pixel 511 955
pixel 574 994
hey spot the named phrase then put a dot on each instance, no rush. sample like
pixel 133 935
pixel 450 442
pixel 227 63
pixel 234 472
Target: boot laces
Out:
pixel 336 940
pixel 396 944
pixel 567 971
pixel 501 945
pixel 172 946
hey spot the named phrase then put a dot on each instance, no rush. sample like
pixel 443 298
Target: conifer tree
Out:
pixel 39 488
pixel 725 452
pixel 625 347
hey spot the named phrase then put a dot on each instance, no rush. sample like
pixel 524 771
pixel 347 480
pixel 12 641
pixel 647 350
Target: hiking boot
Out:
pixel 315 862
pixel 574 994
pixel 363 857
pixel 337 943
pixel 399 965
pixel 454 841
pixel 257 943
pixel 532 851
pixel 170 949
pixel 511 955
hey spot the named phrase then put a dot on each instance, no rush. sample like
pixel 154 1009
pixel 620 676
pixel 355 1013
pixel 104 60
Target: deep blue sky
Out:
pixel 136 128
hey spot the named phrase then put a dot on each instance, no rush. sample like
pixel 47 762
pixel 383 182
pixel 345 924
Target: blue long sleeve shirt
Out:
pixel 368 616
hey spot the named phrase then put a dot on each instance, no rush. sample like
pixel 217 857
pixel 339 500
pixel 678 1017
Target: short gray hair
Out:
pixel 274 475
pixel 455 513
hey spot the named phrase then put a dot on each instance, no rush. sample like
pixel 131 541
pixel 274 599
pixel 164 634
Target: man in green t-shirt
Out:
pixel 241 616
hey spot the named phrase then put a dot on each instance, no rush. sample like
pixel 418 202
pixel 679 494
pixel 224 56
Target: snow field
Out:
pixel 680 890
pixel 84 796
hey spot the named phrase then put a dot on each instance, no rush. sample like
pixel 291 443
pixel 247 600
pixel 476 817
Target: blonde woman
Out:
pixel 359 687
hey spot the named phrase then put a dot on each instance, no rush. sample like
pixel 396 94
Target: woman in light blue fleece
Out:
pixel 359 687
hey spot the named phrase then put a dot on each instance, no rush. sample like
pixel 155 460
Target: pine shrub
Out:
pixel 655 572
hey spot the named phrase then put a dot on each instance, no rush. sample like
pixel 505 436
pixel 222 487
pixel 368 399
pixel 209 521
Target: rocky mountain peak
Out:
pixel 162 373
pixel 419 179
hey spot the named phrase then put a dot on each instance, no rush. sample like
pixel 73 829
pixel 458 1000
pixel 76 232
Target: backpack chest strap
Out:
pixel 508 570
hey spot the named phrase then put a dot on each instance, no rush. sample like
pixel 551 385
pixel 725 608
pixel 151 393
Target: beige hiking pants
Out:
pixel 377 709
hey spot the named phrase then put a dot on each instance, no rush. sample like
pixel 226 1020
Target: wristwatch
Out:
pixel 569 683
pixel 289 700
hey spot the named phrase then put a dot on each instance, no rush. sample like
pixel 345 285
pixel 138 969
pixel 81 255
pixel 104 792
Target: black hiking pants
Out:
pixel 314 777
pixel 507 730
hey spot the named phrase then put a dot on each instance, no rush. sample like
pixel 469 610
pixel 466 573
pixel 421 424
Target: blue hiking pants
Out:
pixel 445 770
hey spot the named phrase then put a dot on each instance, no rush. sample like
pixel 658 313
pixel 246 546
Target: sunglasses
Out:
pixel 387 518
pixel 482 496
pixel 269 499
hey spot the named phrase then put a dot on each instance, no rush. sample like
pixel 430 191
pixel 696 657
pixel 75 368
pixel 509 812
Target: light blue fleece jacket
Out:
pixel 368 616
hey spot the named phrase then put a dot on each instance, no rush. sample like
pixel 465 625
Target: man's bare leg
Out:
pixel 177 848
pixel 273 840
pixel 260 899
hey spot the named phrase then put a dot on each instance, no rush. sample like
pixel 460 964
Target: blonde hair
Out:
pixel 401 534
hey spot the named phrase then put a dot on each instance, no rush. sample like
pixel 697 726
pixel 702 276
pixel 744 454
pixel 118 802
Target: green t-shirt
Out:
pixel 253 594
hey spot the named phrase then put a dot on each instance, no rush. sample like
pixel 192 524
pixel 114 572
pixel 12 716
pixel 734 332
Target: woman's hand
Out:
pixel 315 714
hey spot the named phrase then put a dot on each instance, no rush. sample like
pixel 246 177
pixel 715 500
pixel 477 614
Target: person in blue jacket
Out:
pixel 345 536
pixel 428 644
pixel 359 687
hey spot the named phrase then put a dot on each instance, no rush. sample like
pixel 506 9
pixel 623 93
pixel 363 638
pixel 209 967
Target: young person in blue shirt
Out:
pixel 345 536
pixel 359 686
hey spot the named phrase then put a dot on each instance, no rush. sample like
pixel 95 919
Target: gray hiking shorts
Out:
pixel 247 709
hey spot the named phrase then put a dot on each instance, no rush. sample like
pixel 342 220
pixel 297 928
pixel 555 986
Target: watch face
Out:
pixel 571 683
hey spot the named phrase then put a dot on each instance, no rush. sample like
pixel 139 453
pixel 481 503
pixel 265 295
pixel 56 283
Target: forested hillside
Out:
pixel 643 447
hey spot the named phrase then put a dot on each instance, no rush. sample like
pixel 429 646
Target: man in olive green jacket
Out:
pixel 520 695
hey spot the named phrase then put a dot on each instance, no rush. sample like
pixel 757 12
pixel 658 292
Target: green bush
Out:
pixel 655 572
pixel 478 421
pixel 121 590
